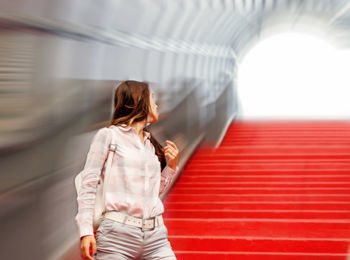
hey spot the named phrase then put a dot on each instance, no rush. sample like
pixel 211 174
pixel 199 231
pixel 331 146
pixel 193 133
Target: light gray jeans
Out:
pixel 115 240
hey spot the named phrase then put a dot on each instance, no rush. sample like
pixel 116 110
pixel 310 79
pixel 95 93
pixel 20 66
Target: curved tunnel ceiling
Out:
pixel 179 44
pixel 207 32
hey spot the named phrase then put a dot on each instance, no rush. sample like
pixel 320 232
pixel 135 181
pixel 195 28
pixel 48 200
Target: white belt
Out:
pixel 144 224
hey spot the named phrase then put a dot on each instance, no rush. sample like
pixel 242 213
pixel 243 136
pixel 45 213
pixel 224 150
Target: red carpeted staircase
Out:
pixel 272 190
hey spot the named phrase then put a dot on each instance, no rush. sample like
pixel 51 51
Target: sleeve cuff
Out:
pixel 85 231
pixel 168 171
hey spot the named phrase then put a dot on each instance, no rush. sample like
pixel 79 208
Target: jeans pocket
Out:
pixel 105 227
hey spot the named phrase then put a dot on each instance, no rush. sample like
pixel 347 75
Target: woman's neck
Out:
pixel 139 126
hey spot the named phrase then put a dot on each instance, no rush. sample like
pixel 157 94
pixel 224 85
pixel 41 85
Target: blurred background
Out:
pixel 209 62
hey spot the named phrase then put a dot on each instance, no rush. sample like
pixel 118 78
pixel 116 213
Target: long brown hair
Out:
pixel 131 104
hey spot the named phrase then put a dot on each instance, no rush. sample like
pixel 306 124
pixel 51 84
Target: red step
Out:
pixel 263 213
pixel 233 198
pixel 260 206
pixel 257 227
pixel 264 178
pixel 256 244
pixel 267 190
pixel 276 155
pixel 204 255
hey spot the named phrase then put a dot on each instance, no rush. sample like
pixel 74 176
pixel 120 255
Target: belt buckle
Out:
pixel 149 229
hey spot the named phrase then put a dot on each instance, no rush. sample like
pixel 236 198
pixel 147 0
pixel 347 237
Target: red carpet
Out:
pixel 272 190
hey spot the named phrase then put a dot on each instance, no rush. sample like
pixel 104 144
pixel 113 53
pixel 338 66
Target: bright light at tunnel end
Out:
pixel 292 76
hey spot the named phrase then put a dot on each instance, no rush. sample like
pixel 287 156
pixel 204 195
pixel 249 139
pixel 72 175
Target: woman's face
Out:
pixel 152 113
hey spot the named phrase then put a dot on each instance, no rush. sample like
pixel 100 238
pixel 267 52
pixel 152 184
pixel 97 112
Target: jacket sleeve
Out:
pixel 90 175
pixel 166 177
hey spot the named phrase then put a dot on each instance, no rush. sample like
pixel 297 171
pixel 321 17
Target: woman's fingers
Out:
pixel 169 155
pixel 84 250
pixel 172 144
pixel 87 253
pixel 93 246
pixel 170 150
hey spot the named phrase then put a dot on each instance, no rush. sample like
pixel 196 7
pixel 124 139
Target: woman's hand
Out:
pixel 171 152
pixel 85 244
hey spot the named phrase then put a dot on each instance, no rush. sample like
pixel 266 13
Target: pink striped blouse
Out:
pixel 136 180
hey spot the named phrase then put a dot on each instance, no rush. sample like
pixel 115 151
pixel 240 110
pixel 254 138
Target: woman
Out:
pixel 132 227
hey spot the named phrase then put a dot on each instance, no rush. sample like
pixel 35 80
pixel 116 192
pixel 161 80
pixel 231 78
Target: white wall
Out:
pixel 294 75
